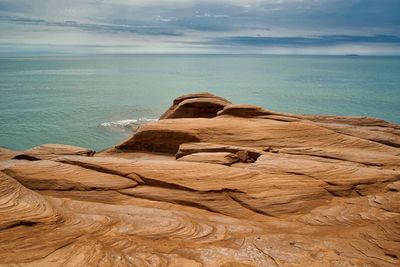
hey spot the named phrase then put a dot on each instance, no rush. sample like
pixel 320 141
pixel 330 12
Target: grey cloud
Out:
pixel 108 28
pixel 193 22
pixel 325 40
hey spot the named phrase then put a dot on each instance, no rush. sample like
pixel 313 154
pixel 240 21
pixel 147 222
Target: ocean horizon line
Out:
pixel 20 55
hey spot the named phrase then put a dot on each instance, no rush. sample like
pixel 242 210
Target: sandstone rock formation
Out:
pixel 49 151
pixel 200 105
pixel 210 185
pixel 224 158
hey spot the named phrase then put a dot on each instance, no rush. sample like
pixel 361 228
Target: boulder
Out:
pixel 243 156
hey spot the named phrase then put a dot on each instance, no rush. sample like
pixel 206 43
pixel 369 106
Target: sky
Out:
pixel 332 27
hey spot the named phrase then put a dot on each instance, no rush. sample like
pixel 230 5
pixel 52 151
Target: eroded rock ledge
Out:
pixel 210 184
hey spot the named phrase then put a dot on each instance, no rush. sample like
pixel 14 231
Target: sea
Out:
pixel 96 101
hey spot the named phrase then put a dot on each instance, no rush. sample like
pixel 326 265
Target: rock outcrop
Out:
pixel 210 184
pixel 223 158
pixel 49 151
pixel 200 105
pixel 244 154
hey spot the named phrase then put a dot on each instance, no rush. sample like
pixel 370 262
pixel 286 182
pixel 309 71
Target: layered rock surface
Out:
pixel 211 184
pixel 200 105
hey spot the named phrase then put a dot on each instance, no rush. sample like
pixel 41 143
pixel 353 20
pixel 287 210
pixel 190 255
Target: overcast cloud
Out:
pixel 190 26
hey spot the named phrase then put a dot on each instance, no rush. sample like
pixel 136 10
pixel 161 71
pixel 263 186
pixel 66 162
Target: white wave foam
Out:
pixel 147 120
pixel 127 123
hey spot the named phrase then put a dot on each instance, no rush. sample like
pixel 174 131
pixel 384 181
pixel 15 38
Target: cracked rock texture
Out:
pixel 210 184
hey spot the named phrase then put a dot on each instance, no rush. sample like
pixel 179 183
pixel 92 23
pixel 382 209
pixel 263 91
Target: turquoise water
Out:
pixel 94 101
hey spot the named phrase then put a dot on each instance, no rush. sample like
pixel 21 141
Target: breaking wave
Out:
pixel 127 123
